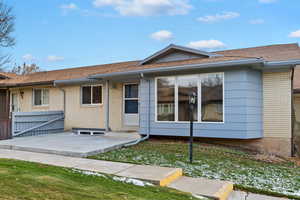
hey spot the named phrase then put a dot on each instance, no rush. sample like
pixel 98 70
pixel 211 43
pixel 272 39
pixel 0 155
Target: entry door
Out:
pixel 131 104
pixel 14 102
pixel 4 115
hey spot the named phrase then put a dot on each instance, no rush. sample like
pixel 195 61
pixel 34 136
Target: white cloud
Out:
pixel 162 35
pixel 267 1
pixel 70 6
pixel 218 17
pixel 146 7
pixel 28 57
pixel 295 34
pixel 53 58
pixel 66 8
pixel 257 21
pixel 206 44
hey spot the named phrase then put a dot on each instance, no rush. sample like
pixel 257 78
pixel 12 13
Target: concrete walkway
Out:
pixel 240 195
pixel 163 176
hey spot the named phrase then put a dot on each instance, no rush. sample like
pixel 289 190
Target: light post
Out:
pixel 192 103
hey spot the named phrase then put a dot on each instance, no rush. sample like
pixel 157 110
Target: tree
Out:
pixel 7 23
pixel 25 69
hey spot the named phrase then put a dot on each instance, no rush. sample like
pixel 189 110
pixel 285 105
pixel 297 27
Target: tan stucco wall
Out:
pixel 277 104
pixel 116 106
pixel 76 115
pixel 83 116
pixel 26 103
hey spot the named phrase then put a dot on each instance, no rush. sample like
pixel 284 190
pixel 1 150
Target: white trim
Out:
pixel 91 104
pixel 199 98
pixel 42 96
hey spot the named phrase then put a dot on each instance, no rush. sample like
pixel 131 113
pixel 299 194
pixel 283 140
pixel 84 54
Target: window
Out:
pixel 172 98
pixel 91 95
pixel 186 85
pixel 131 98
pixel 166 99
pixel 41 97
pixel 212 98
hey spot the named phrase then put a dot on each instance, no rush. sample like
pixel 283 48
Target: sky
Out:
pixel 57 34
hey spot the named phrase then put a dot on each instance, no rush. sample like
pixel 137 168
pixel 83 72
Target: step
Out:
pixel 161 176
pixel 215 189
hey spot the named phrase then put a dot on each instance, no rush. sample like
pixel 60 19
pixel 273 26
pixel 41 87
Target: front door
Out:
pixel 14 102
pixel 4 115
pixel 131 104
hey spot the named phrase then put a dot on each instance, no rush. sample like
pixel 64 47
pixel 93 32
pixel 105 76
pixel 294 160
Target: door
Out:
pixel 14 102
pixel 4 115
pixel 131 104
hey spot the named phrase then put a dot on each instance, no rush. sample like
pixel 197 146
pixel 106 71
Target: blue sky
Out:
pixel 69 33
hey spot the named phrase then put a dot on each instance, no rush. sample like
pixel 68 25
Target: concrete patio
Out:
pixel 70 144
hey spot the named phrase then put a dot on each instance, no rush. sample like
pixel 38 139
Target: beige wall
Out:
pixel 76 115
pixel 26 102
pixel 116 106
pixel 83 116
pixel 277 104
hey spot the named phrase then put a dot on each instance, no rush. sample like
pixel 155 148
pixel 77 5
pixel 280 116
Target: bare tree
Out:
pixel 25 69
pixel 7 22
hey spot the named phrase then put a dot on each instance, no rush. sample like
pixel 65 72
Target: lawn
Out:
pixel 242 168
pixel 29 181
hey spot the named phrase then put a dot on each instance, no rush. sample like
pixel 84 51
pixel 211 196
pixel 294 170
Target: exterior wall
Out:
pixel 242 107
pixel 76 115
pixel 26 103
pixel 116 106
pixel 82 116
pixel 177 55
pixel 277 104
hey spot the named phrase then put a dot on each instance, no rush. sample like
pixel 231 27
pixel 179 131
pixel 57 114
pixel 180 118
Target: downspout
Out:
pixel 149 115
pixel 64 97
pixel 293 114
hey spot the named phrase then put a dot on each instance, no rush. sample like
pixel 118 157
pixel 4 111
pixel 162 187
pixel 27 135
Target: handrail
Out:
pixel 39 126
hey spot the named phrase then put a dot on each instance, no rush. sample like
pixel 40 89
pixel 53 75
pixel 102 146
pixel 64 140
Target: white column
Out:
pixel 106 105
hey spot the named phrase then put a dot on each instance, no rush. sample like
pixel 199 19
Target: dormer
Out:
pixel 176 53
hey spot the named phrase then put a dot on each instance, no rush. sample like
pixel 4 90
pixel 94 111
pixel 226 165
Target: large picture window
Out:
pixel 186 85
pixel 91 95
pixel 172 98
pixel 41 97
pixel 166 99
pixel 212 98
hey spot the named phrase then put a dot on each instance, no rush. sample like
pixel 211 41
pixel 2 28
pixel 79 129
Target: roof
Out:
pixel 282 52
pixel 7 75
pixel 173 47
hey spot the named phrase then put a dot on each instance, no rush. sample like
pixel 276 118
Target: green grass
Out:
pixel 29 181
pixel 279 179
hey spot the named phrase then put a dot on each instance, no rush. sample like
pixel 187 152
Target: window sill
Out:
pixel 91 105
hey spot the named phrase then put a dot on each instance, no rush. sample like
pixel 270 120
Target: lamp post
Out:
pixel 192 103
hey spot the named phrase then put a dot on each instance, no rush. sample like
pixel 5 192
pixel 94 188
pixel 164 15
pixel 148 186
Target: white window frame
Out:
pixel 124 98
pixel 199 98
pixel 42 95
pixel 91 104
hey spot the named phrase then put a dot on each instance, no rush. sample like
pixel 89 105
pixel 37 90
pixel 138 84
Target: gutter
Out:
pixel 180 67
pixel 282 63
pixel 74 81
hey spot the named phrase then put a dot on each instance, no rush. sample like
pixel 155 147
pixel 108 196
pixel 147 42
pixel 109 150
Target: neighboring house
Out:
pixel 244 95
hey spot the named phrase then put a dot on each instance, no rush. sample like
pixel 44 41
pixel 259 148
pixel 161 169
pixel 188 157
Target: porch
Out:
pixel 70 144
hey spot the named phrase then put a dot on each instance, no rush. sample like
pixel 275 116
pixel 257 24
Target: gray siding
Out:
pixel 22 121
pixel 242 107
pixel 177 55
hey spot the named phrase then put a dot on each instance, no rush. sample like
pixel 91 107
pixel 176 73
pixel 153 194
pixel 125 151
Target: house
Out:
pixel 244 96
